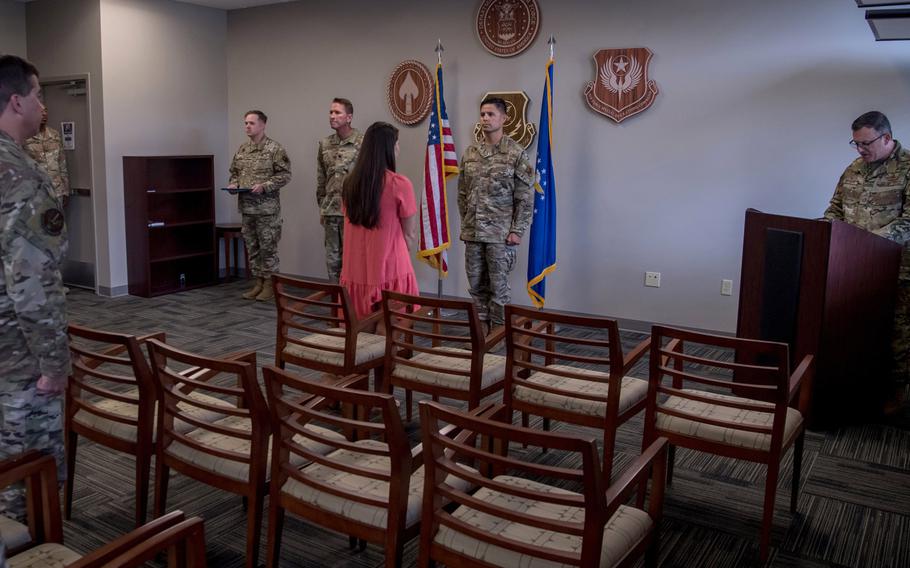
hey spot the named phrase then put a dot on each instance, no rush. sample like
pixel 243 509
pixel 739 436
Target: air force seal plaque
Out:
pixel 410 92
pixel 621 87
pixel 507 27
pixel 516 125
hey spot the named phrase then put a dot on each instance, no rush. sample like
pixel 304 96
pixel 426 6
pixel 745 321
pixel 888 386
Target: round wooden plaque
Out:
pixel 410 92
pixel 507 27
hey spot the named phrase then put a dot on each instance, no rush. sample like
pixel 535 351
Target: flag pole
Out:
pixel 439 49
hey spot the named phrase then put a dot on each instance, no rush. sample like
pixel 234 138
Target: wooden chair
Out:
pixel 231 453
pixel 318 329
pixel 747 407
pixel 369 489
pixel 111 400
pixel 440 356
pixel 544 376
pixel 515 518
pixel 183 539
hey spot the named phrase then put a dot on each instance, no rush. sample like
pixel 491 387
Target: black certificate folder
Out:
pixel 236 190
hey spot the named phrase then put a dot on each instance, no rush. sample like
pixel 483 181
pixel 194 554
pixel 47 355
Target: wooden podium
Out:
pixel 826 288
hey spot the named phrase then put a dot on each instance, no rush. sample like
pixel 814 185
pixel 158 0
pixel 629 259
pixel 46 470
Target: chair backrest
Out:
pixel 297 405
pixel 39 472
pixel 110 367
pixel 221 387
pixel 692 366
pixel 183 539
pixel 444 451
pixel 548 342
pixel 416 324
pixel 306 307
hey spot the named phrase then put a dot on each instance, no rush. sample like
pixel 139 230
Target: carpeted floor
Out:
pixel 854 504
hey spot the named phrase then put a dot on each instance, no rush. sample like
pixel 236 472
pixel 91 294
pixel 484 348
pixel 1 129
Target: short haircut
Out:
pixel 497 102
pixel 348 105
pixel 14 78
pixel 258 113
pixel 873 119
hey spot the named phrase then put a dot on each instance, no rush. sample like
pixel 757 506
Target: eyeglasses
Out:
pixel 859 144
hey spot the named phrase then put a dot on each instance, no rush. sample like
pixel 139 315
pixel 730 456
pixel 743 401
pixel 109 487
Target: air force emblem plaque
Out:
pixel 621 87
pixel 516 125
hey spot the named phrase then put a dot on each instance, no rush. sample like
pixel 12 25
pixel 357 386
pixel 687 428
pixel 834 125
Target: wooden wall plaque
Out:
pixel 507 27
pixel 410 92
pixel 621 87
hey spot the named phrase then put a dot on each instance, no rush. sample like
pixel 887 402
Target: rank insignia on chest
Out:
pixel 52 221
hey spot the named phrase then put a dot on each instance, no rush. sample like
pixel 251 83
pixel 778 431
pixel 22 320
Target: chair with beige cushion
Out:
pixel 233 453
pixel 183 539
pixel 746 405
pixel 519 517
pixel 445 356
pixel 111 400
pixel 369 489
pixel 572 368
pixel 318 329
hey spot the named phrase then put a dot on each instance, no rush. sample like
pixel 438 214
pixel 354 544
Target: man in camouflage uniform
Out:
pixel 495 200
pixel 46 148
pixel 262 166
pixel 335 158
pixel 35 360
pixel 874 194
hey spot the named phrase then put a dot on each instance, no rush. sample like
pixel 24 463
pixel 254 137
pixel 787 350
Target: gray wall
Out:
pixel 12 27
pixel 755 106
pixel 165 93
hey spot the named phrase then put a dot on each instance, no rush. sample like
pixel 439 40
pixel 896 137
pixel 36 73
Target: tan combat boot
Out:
pixel 254 291
pixel 267 293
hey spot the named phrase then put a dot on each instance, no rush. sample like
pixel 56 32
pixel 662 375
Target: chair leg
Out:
pixel 394 549
pixel 671 461
pixel 409 403
pixel 254 529
pixel 797 470
pixel 352 542
pixel 768 515
pixel 72 440
pixel 143 465
pixel 276 527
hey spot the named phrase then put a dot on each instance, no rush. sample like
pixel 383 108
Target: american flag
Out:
pixel 440 163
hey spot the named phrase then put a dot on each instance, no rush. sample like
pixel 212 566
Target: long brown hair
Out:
pixel 362 188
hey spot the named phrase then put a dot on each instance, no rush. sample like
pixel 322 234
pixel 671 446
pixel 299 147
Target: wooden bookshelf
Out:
pixel 170 223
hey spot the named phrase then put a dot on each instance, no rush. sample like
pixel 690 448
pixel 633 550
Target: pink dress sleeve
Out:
pixel 404 196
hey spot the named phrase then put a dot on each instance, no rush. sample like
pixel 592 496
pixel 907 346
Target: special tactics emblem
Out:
pixel 516 125
pixel 410 92
pixel 52 221
pixel 507 27
pixel 621 87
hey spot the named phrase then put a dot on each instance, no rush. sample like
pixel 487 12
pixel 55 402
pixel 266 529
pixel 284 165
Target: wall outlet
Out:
pixel 726 287
pixel 652 279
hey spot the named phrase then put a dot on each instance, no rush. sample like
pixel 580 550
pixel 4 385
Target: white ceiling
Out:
pixel 224 4
pixel 233 4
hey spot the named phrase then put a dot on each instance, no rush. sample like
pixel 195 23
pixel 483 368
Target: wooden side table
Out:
pixel 233 238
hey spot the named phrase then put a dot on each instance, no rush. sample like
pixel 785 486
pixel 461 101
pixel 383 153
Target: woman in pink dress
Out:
pixel 380 223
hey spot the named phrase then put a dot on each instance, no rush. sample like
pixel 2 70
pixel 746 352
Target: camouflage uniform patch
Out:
pixel 266 163
pixel 334 241
pixel 494 199
pixel 872 196
pixel 46 148
pixel 33 337
pixel 334 159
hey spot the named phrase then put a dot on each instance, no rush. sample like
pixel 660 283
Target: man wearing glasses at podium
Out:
pixel 872 194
